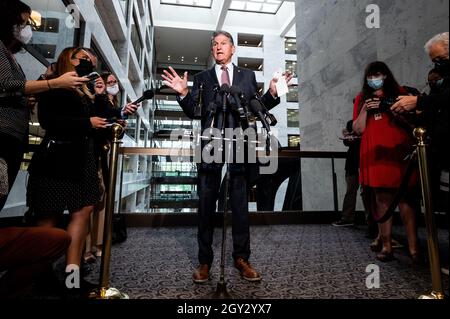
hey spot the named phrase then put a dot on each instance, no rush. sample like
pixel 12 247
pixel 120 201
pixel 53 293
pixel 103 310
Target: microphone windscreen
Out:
pixel 235 90
pixel 255 106
pixel 225 88
pixel 148 94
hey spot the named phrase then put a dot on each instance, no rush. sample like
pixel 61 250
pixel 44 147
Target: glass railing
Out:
pixel 166 127
pixel 168 107
pixel 169 174
pixel 303 182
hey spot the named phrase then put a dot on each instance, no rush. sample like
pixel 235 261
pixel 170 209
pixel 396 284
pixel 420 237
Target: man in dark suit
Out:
pixel 224 72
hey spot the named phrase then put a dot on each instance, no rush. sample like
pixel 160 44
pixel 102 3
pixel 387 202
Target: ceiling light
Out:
pixel 36 17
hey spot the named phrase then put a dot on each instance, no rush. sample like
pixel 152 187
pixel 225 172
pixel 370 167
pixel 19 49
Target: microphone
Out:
pixel 198 107
pixel 240 105
pixel 258 109
pixel 213 105
pixel 270 118
pixel 147 95
pixel 224 91
pixel 236 93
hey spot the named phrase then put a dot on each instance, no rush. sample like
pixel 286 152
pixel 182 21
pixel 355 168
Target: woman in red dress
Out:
pixel 384 146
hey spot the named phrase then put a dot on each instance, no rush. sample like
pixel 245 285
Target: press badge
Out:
pixel 377 116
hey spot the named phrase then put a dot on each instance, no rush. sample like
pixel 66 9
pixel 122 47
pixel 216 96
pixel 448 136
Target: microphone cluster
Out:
pixel 232 100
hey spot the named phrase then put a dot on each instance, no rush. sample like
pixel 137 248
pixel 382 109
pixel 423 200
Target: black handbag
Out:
pixel 60 158
pixel 119 229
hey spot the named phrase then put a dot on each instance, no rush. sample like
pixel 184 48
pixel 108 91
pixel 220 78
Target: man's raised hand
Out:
pixel 175 82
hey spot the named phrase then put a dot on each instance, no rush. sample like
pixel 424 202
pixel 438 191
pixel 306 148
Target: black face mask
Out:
pixel 443 67
pixel 84 68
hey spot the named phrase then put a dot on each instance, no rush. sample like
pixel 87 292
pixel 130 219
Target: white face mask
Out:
pixel 113 90
pixel 25 34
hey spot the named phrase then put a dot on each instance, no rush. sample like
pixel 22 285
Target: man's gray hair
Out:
pixel 439 38
pixel 221 32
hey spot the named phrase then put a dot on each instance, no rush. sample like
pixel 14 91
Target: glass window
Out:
pixel 132 124
pixel 143 133
pixel 48 51
pixel 292 96
pixel 252 64
pixel 48 25
pixel 147 75
pixel 294 140
pixel 189 3
pixel 259 6
pixel 52 33
pixel 250 40
pixel 292 66
pixel 124 5
pixel 290 45
pixel 292 118
pixel 136 39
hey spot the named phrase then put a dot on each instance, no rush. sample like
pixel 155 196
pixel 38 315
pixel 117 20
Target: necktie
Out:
pixel 225 76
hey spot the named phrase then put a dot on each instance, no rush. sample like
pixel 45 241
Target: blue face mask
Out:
pixel 376 84
pixel 439 82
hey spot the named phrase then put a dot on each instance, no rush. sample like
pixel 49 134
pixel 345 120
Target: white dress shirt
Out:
pixel 219 72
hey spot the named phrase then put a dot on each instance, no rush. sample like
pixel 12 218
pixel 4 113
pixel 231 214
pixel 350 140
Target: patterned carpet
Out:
pixel 296 262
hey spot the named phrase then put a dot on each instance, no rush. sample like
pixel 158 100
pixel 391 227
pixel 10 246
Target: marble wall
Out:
pixel 334 46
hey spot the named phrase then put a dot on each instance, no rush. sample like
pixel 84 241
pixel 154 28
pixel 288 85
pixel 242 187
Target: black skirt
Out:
pixel 47 195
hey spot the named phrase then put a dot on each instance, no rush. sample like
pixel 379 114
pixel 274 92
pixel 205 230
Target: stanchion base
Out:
pixel 108 293
pixel 432 295
pixel 221 291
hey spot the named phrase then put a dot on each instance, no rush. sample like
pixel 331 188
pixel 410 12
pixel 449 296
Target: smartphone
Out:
pixel 111 120
pixel 92 76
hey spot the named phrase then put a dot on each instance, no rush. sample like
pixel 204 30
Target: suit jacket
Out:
pixel 243 78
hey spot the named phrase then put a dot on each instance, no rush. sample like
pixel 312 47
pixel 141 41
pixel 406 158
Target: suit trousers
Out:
pixel 349 205
pixel 208 190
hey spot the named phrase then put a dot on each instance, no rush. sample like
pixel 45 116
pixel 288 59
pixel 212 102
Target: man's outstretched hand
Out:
pixel 175 82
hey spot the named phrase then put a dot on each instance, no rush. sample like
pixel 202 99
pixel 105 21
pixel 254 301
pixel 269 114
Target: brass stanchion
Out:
pixel 105 291
pixel 432 241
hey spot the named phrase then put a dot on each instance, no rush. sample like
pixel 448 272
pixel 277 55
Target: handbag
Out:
pixel 60 158
pixel 119 229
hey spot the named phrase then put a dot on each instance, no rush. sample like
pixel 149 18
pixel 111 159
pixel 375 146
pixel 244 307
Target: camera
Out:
pixel 385 105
